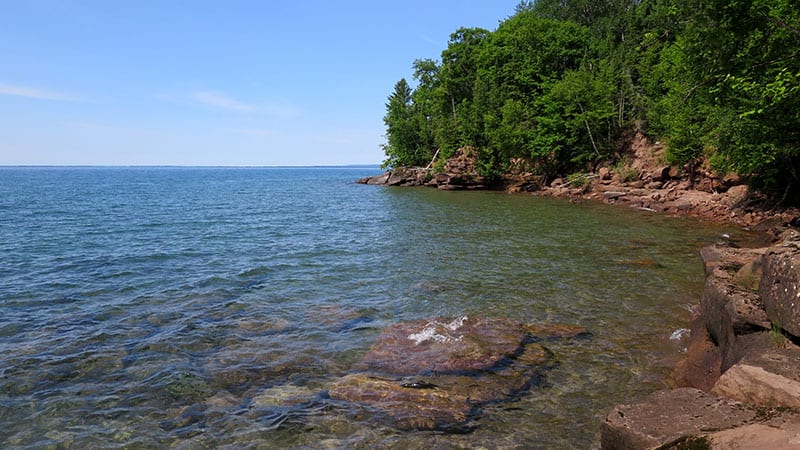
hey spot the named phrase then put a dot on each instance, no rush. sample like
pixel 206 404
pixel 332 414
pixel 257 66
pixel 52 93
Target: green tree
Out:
pixel 741 63
pixel 518 67
pixel 557 83
pixel 405 145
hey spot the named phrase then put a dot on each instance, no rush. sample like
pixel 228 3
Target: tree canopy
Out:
pixel 559 81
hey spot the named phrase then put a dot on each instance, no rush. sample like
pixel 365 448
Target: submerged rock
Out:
pixel 283 395
pixel 433 374
pixel 410 408
pixel 443 346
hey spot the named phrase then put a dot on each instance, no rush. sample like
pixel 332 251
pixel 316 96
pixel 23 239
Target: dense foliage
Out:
pixel 558 82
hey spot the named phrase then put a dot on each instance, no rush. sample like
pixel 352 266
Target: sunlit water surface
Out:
pixel 164 307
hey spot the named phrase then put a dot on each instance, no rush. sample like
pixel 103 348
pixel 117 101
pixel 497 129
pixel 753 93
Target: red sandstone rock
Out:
pixel 766 378
pixel 668 416
pixel 701 367
pixel 780 287
pixel 443 345
pixel 729 310
pixel 429 374
pixel 758 436
pixel 409 407
pixel 441 401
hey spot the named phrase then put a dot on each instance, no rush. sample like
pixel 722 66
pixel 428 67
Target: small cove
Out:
pixel 169 307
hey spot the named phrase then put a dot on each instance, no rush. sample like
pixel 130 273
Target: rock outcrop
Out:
pixel 460 172
pixel 742 367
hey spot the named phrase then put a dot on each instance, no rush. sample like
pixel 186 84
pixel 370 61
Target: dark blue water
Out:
pixel 176 307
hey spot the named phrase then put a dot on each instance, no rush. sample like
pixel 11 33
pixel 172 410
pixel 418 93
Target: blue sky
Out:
pixel 228 83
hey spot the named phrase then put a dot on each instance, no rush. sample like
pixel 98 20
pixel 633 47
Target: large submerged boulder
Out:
pixel 443 346
pixel 433 374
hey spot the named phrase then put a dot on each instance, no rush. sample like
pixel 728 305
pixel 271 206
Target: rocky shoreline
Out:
pixel 738 385
pixel 641 181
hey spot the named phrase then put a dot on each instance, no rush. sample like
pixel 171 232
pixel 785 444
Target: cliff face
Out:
pixel 740 380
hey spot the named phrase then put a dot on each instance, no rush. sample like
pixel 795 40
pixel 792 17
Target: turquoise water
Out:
pixel 168 307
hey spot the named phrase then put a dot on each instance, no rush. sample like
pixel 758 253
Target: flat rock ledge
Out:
pixel 739 383
pixel 689 418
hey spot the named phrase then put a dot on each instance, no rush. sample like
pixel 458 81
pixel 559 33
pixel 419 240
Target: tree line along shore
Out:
pixel 559 87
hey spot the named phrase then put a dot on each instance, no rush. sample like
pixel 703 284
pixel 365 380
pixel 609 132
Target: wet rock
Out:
pixel 444 402
pixel 222 400
pixel 406 176
pixel 441 178
pixel 780 287
pixel 183 386
pixel 667 417
pixel 431 374
pixel 443 345
pixel 523 182
pixel 409 407
pixel 768 378
pixel 400 176
pixel 701 366
pixel 262 325
pixel 504 381
pixel 187 416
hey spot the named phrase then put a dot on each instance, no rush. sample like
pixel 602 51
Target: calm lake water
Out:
pixel 169 307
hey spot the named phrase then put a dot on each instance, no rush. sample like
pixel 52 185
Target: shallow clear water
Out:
pixel 165 307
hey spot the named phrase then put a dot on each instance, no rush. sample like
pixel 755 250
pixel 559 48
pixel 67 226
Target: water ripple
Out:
pixel 153 307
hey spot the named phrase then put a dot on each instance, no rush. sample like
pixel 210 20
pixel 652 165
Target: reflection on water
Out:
pixel 215 307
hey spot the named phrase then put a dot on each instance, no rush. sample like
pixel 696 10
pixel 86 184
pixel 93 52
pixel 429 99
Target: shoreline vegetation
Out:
pixel 561 88
pixel 684 108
